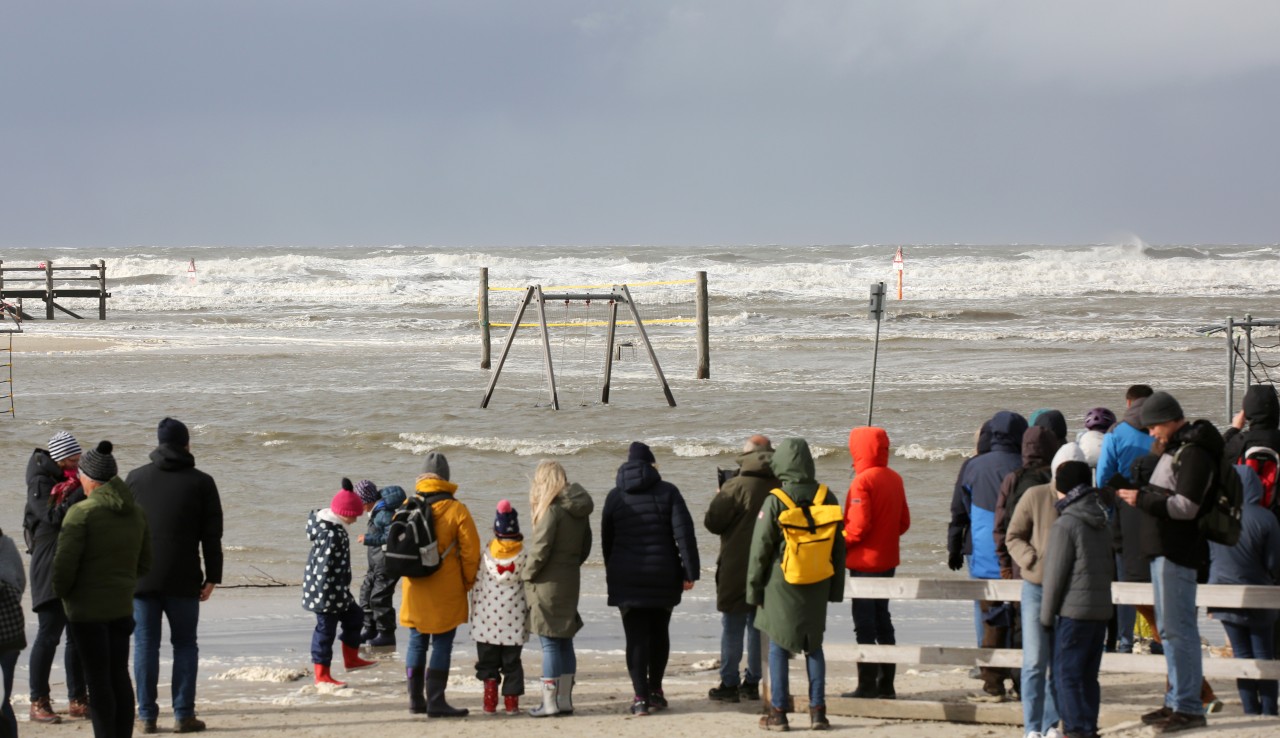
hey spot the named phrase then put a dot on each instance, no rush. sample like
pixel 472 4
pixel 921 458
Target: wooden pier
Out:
pixel 49 283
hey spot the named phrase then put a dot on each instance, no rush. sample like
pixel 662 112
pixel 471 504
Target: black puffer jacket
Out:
pixel 1197 447
pixel 184 514
pixel 647 536
pixel 1262 411
pixel 43 522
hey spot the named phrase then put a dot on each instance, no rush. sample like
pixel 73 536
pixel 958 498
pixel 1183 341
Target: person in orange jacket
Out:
pixel 875 518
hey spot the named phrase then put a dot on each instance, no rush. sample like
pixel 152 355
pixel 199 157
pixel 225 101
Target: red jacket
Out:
pixel 875 512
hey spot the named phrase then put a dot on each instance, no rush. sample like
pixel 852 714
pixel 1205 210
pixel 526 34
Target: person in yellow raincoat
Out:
pixel 433 607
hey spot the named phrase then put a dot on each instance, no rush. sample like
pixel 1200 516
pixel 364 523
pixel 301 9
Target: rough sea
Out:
pixel 297 366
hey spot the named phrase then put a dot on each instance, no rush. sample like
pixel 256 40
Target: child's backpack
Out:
pixel 1265 463
pixel 412 549
pixel 809 532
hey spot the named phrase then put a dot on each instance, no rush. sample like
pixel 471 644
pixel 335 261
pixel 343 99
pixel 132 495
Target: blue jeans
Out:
pixel 780 676
pixel 558 657
pixel 1175 595
pixel 1039 700
pixel 8 662
pixel 734 627
pixel 441 650
pixel 1259 696
pixel 183 614
pixel 1077 654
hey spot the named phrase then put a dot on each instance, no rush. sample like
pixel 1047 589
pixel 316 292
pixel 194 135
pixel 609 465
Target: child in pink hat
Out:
pixel 326 584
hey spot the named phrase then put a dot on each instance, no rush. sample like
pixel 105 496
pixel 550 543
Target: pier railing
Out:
pixel 50 283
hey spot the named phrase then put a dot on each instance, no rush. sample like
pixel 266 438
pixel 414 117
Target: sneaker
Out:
pixel 1155 716
pixel 188 725
pixel 721 693
pixel 1180 721
pixel 639 707
pixel 656 700
pixel 749 692
pixel 1213 706
pixel 1054 733
pixel 42 712
pixel 146 726
pixel 78 708
pixel 775 719
pixel 988 697
pixel 1034 734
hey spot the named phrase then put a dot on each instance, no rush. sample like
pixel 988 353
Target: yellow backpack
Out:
pixel 809 531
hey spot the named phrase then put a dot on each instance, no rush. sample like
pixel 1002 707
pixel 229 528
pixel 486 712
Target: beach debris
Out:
pixel 706 665
pixel 261 674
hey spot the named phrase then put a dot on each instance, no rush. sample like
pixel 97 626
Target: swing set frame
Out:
pixel 618 294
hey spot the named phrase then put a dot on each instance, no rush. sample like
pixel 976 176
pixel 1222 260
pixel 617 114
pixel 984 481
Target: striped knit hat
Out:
pixel 63 446
pixel 368 491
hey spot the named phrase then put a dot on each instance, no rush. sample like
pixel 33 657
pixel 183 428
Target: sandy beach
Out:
pixel 258 701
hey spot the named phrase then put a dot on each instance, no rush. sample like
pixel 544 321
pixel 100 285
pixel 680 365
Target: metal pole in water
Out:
pixel 877 310
pixel 1231 366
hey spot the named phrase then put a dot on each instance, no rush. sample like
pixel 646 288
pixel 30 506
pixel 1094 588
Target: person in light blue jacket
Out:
pixel 1127 441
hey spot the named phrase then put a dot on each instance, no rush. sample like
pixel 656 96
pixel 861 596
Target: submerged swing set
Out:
pixel 619 294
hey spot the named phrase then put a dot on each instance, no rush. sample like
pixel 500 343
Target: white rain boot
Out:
pixel 550 688
pixel 564 698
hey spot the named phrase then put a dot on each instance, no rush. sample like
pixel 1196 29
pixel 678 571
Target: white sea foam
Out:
pixel 920 453
pixel 261 674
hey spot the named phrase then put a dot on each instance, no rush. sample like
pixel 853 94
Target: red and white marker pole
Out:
pixel 898 267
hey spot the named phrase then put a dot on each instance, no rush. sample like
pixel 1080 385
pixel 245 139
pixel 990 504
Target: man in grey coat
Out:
pixel 732 516
pixel 1077 596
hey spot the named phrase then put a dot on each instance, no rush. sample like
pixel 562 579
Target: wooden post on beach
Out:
pixel 48 290
pixel 484 317
pixel 704 329
pixel 102 289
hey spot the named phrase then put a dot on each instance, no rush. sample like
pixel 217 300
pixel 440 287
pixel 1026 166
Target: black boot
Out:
pixel 884 683
pixel 437 680
pixel 417 703
pixel 867 690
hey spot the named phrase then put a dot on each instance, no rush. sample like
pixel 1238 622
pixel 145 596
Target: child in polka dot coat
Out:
pixel 326 584
pixel 500 614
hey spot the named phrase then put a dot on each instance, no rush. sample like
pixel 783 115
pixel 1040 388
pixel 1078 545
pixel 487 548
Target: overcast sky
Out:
pixel 476 123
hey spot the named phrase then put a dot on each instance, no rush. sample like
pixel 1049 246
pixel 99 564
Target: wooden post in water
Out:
pixel 608 352
pixel 484 317
pixel 48 289
pixel 704 329
pixel 102 289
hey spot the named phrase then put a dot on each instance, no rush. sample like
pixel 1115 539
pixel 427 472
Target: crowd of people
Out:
pixel 1122 501
pixel 1128 500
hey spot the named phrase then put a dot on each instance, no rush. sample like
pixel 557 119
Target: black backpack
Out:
pixel 1223 506
pixel 412 549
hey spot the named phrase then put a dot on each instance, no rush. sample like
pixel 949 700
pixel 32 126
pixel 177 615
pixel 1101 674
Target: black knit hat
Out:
pixel 1160 408
pixel 98 464
pixel 172 432
pixel 506 523
pixel 1072 474
pixel 640 452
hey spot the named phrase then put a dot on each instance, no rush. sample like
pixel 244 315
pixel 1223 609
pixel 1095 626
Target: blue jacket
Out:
pixel 1255 559
pixel 973 504
pixel 380 516
pixel 1120 448
pixel 647 536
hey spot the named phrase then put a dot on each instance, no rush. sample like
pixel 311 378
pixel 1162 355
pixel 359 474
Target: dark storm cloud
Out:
pixel 474 123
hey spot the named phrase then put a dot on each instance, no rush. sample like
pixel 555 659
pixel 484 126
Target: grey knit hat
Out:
pixel 436 464
pixel 368 491
pixel 1160 408
pixel 63 446
pixel 98 464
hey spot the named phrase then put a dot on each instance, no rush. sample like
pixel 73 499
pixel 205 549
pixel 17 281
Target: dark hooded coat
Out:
pixel 973 504
pixel 1262 412
pixel 647 536
pixel 794 615
pixel 184 515
pixel 1039 444
pixel 732 516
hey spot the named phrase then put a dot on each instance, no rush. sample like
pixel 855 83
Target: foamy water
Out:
pixel 295 367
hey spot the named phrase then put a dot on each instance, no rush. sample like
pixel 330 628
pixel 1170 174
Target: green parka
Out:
pixel 732 516
pixel 103 547
pixel 794 615
pixel 560 543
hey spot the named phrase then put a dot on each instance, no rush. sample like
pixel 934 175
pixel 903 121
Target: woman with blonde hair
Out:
pixel 558 546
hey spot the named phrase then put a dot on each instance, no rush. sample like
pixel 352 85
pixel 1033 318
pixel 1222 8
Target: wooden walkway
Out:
pixel 49 284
